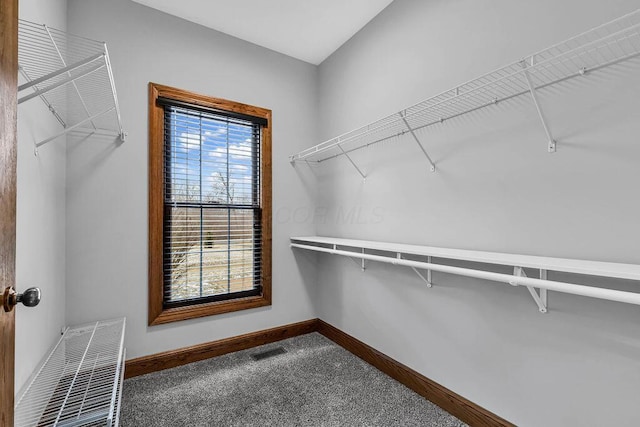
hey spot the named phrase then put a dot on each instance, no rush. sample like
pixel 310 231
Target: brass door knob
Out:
pixel 29 298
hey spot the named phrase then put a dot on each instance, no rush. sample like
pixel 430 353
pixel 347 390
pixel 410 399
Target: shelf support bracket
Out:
pixel 426 280
pixel 539 298
pixel 364 177
pixel 536 101
pixel 107 61
pixel 361 263
pixel 415 138
pixel 355 261
pixel 543 292
pixel 70 128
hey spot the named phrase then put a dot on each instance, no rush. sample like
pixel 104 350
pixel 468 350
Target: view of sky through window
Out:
pixel 211 160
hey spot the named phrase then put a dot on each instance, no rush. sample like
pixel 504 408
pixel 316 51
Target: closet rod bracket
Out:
pixel 360 263
pixel 426 280
pixel 540 297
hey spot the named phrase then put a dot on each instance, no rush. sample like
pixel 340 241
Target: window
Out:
pixel 209 205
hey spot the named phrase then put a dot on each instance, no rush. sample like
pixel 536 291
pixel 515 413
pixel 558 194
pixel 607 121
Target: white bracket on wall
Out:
pixel 539 298
pixel 552 142
pixel 426 280
pixel 364 177
pixel 359 264
pixel 403 115
pixel 355 261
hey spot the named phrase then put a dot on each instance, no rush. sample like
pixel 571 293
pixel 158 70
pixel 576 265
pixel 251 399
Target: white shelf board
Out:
pixel 566 265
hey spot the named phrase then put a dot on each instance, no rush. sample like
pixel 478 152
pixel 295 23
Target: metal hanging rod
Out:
pixel 56 73
pixel 600 47
pixel 64 81
pixel 537 287
pixel 52 61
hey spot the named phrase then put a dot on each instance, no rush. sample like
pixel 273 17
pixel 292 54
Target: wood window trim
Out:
pixel 158 314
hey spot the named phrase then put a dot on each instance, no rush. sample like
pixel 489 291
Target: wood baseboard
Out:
pixel 182 356
pixel 451 402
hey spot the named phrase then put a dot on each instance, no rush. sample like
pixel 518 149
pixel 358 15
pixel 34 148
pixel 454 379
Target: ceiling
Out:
pixel 304 29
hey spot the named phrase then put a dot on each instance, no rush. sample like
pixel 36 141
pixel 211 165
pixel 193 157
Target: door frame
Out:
pixel 8 160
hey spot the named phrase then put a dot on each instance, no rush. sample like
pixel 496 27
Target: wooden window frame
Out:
pixel 158 314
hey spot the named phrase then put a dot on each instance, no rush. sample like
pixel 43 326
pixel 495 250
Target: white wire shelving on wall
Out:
pixel 431 259
pixel 603 46
pixel 72 75
pixel 79 383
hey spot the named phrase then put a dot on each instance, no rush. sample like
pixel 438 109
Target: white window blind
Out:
pixel 212 235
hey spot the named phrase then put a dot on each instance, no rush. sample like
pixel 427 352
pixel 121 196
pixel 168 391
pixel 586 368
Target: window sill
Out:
pixel 177 314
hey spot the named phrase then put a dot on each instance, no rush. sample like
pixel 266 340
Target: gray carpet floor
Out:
pixel 315 383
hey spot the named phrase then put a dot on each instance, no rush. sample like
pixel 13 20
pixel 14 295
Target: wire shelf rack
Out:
pixel 605 45
pixel 72 75
pixel 80 381
pixel 430 259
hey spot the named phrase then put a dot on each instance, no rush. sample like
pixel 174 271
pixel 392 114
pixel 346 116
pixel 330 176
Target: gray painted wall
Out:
pixel 107 183
pixel 496 189
pixel 40 245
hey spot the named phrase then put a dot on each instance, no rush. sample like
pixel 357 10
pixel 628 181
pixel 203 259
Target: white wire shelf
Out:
pixel 605 45
pixel 396 254
pixel 72 75
pixel 80 381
